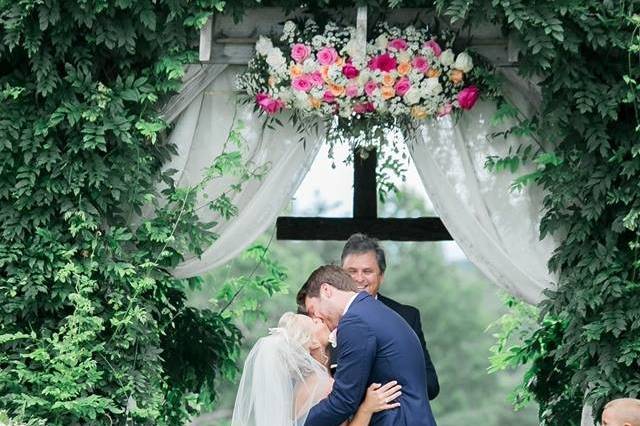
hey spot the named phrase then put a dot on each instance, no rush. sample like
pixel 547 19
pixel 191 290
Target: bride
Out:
pixel 286 373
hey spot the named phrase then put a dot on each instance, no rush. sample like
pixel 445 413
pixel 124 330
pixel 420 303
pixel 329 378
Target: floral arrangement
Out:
pixel 403 73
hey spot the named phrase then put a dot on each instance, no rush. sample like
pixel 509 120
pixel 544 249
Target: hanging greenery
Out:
pixel 93 328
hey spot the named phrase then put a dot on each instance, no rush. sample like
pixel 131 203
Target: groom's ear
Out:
pixel 326 290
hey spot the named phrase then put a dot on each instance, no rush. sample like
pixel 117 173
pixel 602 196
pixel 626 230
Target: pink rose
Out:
pixel 384 62
pixel 370 87
pixel 327 56
pixel 468 96
pixel 445 110
pixel 350 71
pixel 420 64
pixel 351 91
pixel 364 108
pixel 316 79
pixel 431 44
pixel 268 104
pixel 402 86
pixel 300 52
pixel 398 44
pixel 302 83
pixel 328 97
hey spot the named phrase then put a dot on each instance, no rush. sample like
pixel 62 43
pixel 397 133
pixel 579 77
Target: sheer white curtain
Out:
pixel 206 110
pixel 495 227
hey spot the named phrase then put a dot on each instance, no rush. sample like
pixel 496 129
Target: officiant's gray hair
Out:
pixel 361 243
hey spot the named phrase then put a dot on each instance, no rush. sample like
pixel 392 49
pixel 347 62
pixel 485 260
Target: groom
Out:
pixel 375 346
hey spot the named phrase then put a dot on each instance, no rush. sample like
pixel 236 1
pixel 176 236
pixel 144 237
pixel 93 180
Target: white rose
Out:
pixel 382 41
pixel 432 86
pixel 289 27
pixel 276 59
pixel 309 66
pixel 263 46
pixel 446 58
pixel 412 96
pixel 463 62
pixel 353 48
pixel 404 56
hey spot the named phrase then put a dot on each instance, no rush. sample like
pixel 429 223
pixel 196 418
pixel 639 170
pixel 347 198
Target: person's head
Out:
pixel 310 333
pixel 326 294
pixel 621 412
pixel 364 260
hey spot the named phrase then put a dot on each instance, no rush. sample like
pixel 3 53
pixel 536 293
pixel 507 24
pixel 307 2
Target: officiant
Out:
pixel 364 259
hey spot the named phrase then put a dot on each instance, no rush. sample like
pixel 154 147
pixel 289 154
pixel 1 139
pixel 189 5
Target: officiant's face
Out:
pixel 365 271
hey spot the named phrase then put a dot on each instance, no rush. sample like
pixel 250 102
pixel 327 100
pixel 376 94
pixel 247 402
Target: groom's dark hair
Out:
pixel 328 274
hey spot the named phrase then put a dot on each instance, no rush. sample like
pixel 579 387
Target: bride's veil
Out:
pixel 280 380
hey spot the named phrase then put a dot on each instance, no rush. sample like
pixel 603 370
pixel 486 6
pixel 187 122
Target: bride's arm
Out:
pixel 377 399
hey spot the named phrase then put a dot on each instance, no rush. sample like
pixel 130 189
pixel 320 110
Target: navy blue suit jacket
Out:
pixel 375 346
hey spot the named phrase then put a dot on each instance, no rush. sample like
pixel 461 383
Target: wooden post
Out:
pixel 365 197
pixel 206 36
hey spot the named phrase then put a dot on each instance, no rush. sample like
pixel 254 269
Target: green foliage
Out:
pixel 586 56
pixel 94 329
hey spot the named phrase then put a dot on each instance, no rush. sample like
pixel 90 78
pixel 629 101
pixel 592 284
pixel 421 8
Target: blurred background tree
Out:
pixel 457 304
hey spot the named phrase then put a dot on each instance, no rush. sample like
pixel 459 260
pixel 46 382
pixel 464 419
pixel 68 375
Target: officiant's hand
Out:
pixel 380 397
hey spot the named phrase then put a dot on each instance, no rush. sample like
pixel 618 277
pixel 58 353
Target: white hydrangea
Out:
pixel 412 96
pixel 263 46
pixel 463 62
pixel 447 57
pixel 432 86
pixel 318 41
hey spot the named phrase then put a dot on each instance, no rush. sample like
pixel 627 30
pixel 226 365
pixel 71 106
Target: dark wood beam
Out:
pixel 365 193
pixel 339 229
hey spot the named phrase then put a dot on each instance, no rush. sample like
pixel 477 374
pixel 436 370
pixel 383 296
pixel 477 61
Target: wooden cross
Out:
pixel 365 216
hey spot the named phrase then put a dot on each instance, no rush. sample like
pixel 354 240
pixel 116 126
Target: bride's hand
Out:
pixel 380 397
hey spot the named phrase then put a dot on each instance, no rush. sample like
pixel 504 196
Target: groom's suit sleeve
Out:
pixel 357 352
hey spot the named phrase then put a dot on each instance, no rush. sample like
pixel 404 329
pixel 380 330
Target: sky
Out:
pixel 333 188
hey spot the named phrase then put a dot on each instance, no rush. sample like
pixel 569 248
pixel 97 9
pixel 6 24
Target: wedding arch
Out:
pixel 94 308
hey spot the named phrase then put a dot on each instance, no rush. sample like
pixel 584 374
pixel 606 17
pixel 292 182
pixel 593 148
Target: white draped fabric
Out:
pixel 206 110
pixel 495 227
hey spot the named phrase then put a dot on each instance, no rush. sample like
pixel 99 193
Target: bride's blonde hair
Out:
pixel 295 329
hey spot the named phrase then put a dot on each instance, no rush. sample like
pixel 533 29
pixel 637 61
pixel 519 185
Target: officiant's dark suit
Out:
pixel 363 258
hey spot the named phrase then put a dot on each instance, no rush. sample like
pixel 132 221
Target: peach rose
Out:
pixel 295 71
pixel 388 80
pixel 456 76
pixel 404 68
pixel 314 102
pixel 388 92
pixel 324 72
pixel 336 89
pixel 432 72
pixel 418 112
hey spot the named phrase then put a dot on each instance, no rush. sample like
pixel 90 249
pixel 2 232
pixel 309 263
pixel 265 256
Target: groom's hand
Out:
pixel 379 398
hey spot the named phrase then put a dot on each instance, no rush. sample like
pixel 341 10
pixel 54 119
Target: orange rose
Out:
pixel 388 92
pixel 324 72
pixel 314 102
pixel 340 61
pixel 404 68
pixel 456 76
pixel 295 71
pixel 433 73
pixel 418 112
pixel 336 89
pixel 388 80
